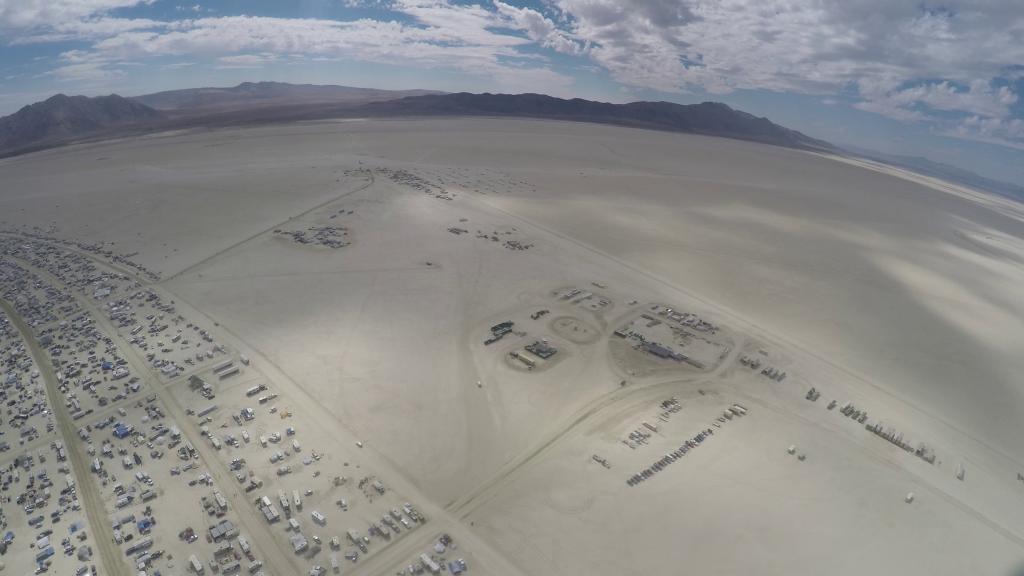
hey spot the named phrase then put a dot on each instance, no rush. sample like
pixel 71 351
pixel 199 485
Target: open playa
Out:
pixel 367 267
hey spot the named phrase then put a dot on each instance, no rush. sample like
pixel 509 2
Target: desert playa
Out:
pixel 568 348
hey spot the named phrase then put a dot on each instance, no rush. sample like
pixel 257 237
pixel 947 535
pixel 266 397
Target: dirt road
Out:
pixel 88 493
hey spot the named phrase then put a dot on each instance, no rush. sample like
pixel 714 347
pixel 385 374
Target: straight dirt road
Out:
pixel 278 558
pixel 88 493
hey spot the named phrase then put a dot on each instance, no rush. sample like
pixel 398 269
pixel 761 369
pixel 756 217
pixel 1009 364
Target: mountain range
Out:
pixel 63 119
pixel 264 94
pixel 708 118
pixel 942 171
pixel 60 118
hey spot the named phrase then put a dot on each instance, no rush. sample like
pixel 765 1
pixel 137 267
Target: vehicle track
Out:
pixel 465 505
pixel 740 322
pixel 248 239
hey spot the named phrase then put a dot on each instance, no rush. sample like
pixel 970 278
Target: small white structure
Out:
pixel 429 564
pixel 909 498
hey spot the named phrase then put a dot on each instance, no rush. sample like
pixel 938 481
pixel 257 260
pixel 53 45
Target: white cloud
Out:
pixel 87 72
pixel 37 13
pixel 360 39
pixel 639 43
pixel 889 110
pixel 85 67
pixel 909 61
pixel 979 98
pixel 88 29
pixel 1002 131
pixel 472 39
pixel 906 60
pixel 539 28
pixel 247 60
pixel 807 47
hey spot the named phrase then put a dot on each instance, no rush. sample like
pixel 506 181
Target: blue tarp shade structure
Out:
pixel 120 430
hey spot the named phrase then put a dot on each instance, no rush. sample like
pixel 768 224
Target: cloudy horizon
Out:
pixel 915 78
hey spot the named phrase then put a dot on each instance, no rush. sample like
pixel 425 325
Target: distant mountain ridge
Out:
pixel 926 167
pixel 255 94
pixel 707 118
pixel 61 117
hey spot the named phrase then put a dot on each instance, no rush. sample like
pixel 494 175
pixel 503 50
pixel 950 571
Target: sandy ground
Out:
pixel 877 287
pixel 739 504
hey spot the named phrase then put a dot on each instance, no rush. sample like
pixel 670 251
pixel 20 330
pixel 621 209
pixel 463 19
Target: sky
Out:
pixel 942 80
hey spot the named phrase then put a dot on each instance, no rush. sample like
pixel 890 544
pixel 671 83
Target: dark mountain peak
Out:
pixel 267 83
pixel 252 95
pixel 62 117
pixel 942 171
pixel 113 102
pixel 712 104
pixel 258 86
pixel 707 118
